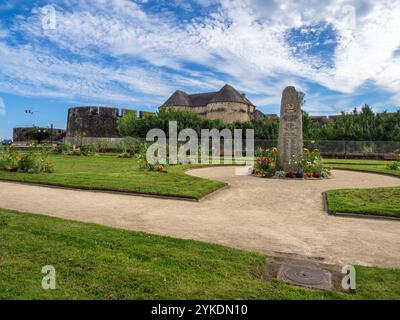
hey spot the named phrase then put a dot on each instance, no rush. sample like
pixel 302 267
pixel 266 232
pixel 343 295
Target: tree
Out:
pixel 358 125
pixel 38 134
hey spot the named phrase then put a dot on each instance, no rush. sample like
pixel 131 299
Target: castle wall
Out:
pixel 92 122
pixel 226 111
pixel 202 110
pixel 230 111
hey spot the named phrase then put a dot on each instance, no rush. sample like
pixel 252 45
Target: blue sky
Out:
pixel 134 54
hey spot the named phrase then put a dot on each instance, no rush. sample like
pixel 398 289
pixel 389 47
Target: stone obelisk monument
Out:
pixel 290 138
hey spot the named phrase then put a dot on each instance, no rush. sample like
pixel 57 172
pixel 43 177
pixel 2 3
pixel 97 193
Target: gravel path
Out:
pixel 266 215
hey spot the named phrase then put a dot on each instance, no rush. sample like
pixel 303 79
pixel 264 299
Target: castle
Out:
pixel 226 104
pixel 88 123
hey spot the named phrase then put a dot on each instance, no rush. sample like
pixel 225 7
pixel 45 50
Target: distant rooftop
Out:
pixel 226 94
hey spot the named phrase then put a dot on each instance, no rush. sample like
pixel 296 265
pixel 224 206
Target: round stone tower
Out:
pixel 92 122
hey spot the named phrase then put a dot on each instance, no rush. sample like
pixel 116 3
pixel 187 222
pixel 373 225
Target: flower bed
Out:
pixel 34 161
pixel 309 167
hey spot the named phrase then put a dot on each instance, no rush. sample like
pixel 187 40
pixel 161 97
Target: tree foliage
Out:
pixel 359 125
pixel 38 135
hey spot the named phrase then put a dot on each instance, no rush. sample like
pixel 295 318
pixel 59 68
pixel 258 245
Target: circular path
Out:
pixel 266 215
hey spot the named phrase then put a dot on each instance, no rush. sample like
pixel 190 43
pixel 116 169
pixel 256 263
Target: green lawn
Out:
pixel 97 262
pixel 374 201
pixel 107 172
pixel 376 166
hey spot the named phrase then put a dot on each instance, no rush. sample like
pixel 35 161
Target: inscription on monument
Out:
pixel 290 139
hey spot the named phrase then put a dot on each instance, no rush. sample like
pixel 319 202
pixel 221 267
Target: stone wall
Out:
pixel 19 134
pixel 230 111
pixel 202 110
pixel 92 122
pixel 226 111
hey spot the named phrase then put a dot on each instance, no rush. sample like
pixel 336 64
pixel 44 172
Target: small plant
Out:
pixel 395 165
pixel 265 166
pixel 311 165
pixel 291 174
pixel 299 174
pixel 161 168
pixel 280 174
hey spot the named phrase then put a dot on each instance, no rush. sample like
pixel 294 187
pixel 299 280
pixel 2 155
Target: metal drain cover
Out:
pixel 305 276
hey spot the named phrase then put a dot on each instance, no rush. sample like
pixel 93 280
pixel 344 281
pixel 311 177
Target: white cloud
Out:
pixel 2 107
pixel 34 73
pixel 244 42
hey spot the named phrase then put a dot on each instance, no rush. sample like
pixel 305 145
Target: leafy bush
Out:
pixel 88 150
pixel 63 148
pixel 395 165
pixel 144 164
pixel 131 145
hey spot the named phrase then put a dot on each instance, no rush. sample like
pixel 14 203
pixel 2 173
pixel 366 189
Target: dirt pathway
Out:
pixel 264 215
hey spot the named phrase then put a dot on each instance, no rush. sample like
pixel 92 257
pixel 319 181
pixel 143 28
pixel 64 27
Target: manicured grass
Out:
pixel 355 162
pixel 375 201
pixel 379 168
pixel 97 262
pixel 107 172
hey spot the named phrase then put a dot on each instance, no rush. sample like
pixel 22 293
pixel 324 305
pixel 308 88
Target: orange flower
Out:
pixel 17 158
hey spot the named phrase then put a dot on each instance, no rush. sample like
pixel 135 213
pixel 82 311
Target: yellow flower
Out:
pixel 305 149
pixel 274 149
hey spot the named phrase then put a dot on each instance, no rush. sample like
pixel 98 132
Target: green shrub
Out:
pixel 395 165
pixel 34 163
pixel 144 164
pixel 131 145
pixel 88 150
pixel 63 148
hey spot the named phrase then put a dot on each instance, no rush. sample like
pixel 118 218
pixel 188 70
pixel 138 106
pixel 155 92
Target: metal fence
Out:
pixel 328 148
pixel 349 149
